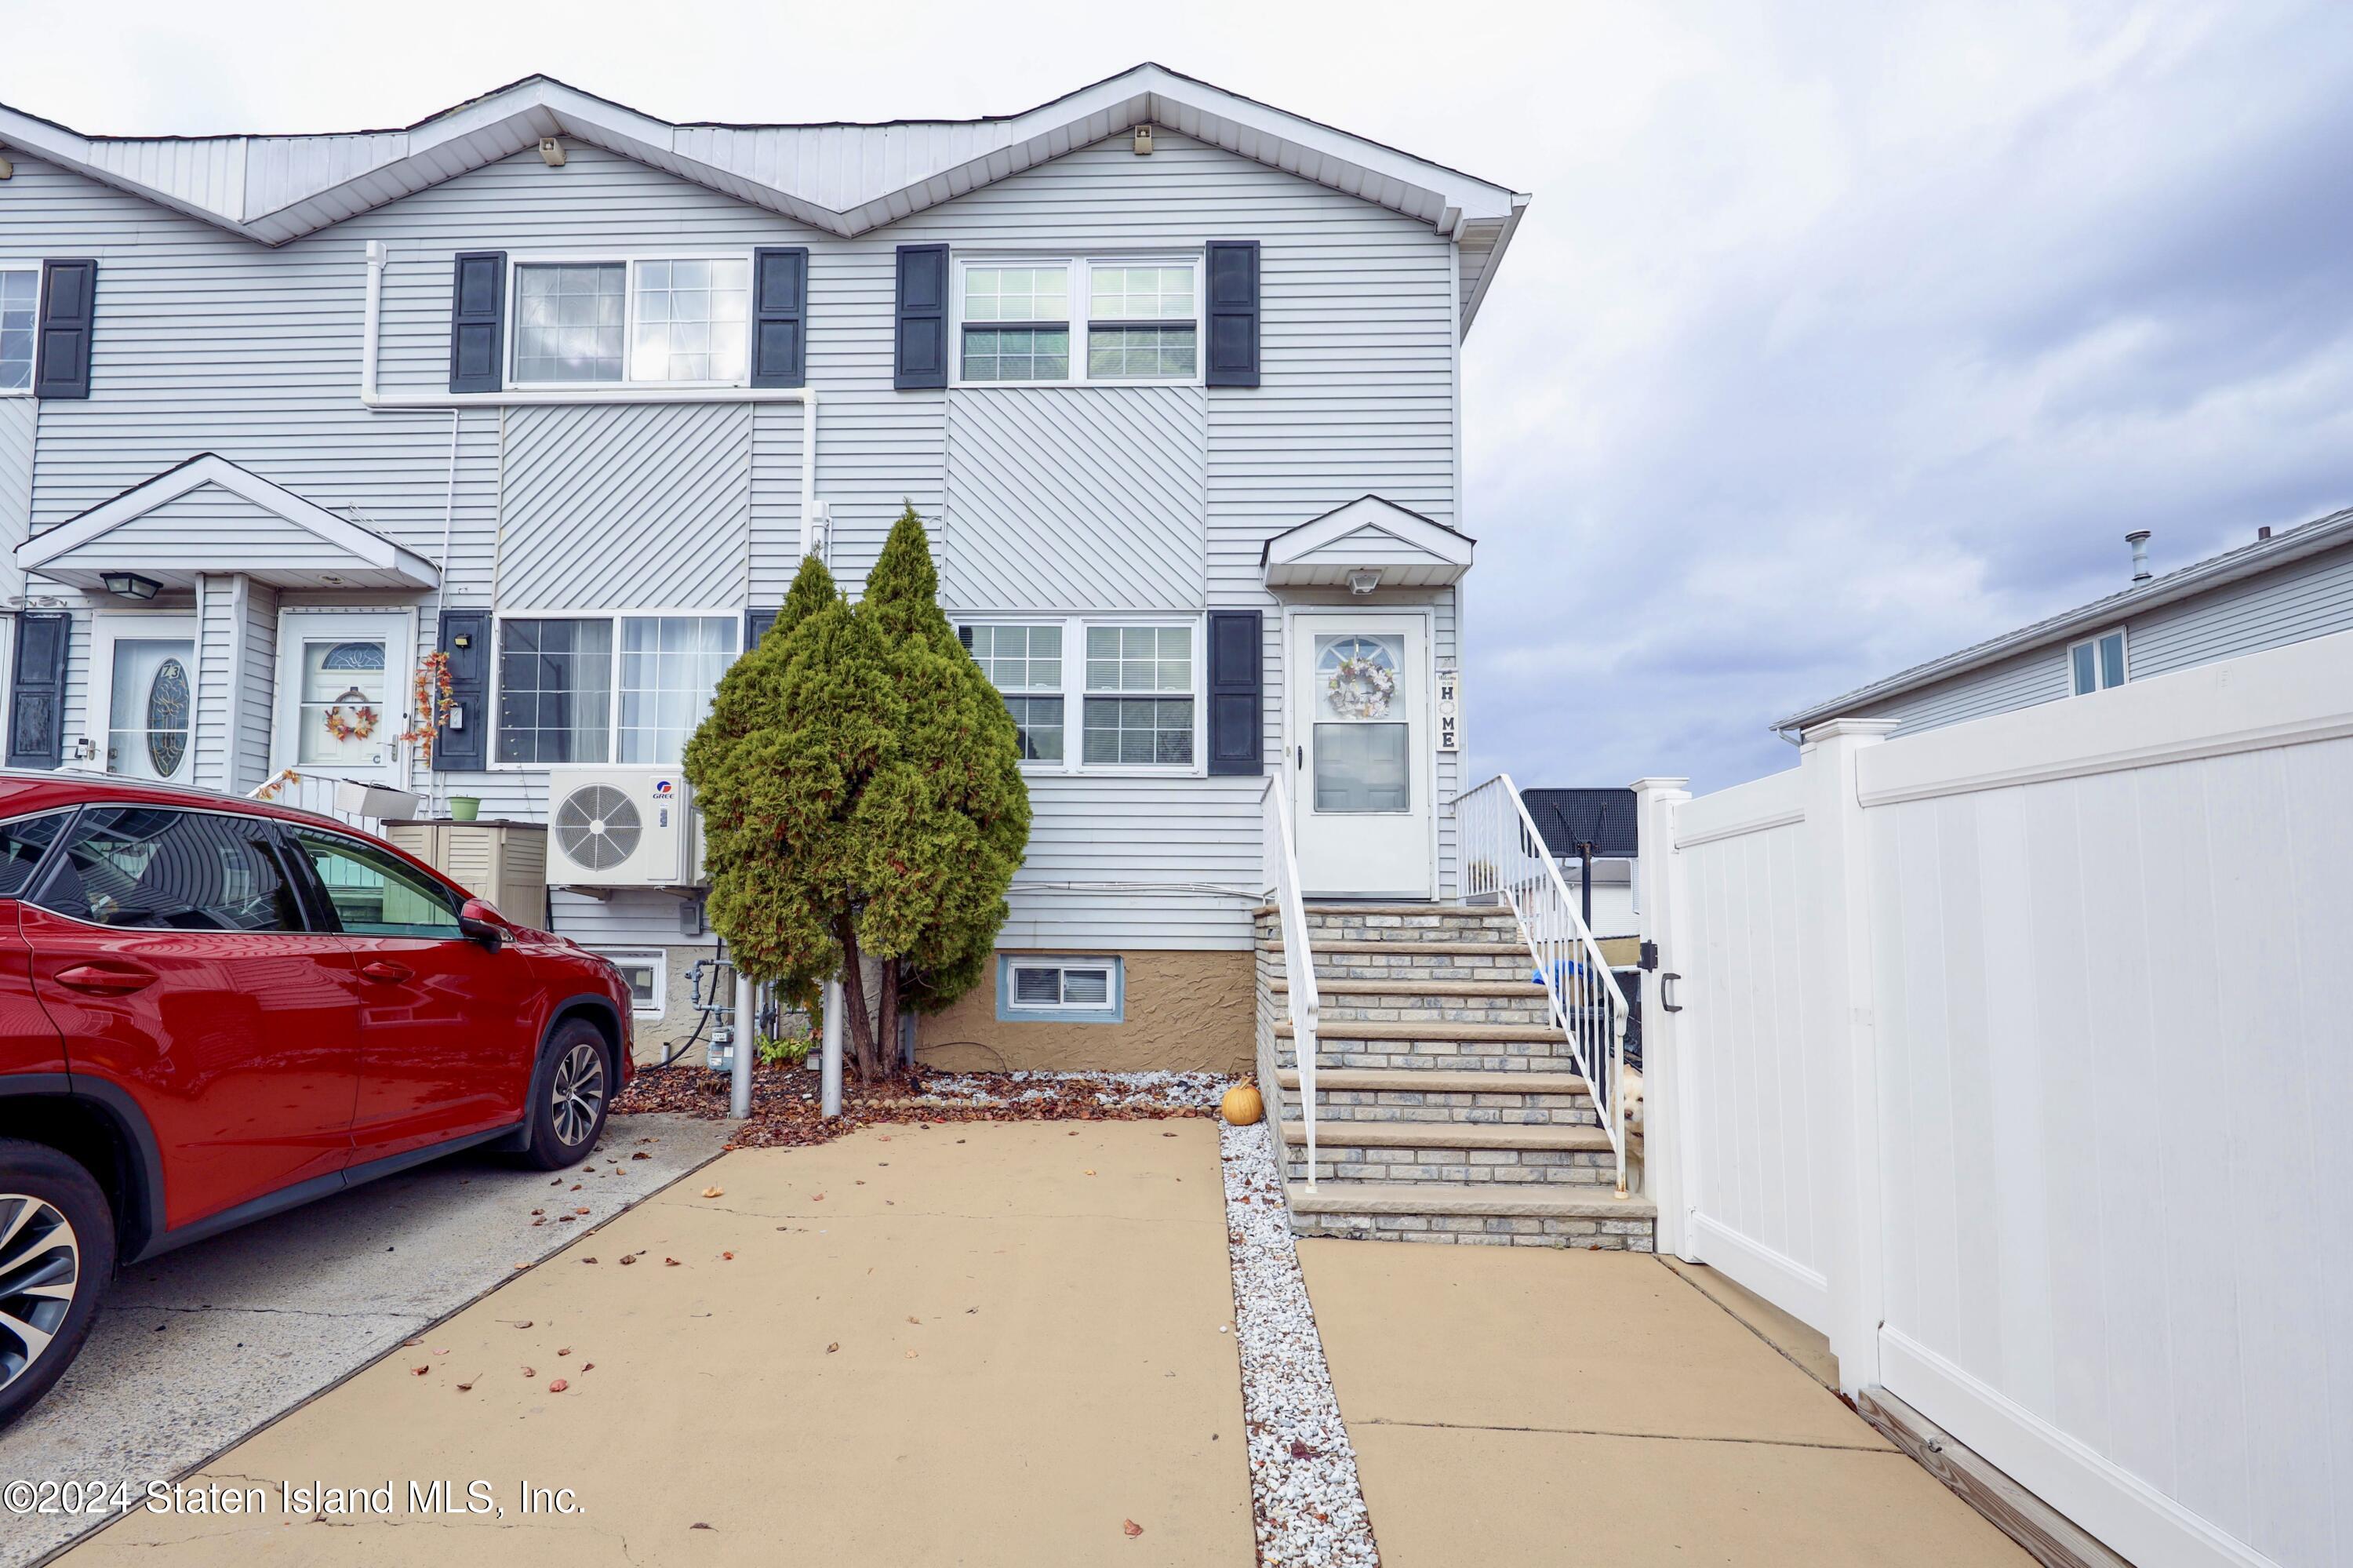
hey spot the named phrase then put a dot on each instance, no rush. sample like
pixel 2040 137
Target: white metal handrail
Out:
pixel 307 792
pixel 1298 959
pixel 1504 858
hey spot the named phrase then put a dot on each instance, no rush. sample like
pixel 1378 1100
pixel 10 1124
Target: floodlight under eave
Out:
pixel 131 584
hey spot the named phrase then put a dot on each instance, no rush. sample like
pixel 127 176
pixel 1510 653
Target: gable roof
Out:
pixel 841 178
pixel 2215 571
pixel 208 515
pixel 1370 533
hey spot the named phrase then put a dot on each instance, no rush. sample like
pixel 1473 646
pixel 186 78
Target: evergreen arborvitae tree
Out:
pixel 861 795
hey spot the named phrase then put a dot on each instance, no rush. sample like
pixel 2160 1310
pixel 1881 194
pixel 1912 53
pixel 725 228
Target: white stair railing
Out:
pixel 1504 860
pixel 307 792
pixel 1298 959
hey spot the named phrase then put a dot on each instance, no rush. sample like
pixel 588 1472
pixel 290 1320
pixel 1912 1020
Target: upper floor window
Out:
pixel 1141 320
pixel 2098 663
pixel 20 300
pixel 676 319
pixel 628 688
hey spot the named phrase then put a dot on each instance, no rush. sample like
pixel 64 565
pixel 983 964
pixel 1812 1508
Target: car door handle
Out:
pixel 382 970
pixel 104 982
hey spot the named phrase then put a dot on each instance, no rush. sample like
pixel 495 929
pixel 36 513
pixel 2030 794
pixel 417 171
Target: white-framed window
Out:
pixel 1073 320
pixel 684 320
pixel 1053 987
pixel 608 688
pixel 645 971
pixel 1132 683
pixel 2097 663
pixel 20 313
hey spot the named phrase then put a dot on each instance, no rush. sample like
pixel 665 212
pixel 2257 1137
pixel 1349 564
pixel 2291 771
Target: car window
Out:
pixel 373 893
pixel 21 845
pixel 155 868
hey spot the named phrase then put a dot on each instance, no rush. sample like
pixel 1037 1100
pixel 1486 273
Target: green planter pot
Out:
pixel 464 807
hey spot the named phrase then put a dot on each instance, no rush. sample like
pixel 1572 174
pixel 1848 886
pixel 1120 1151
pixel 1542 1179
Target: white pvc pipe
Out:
pixel 748 1048
pixel 830 1074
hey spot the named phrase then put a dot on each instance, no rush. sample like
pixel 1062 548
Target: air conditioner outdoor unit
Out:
pixel 619 827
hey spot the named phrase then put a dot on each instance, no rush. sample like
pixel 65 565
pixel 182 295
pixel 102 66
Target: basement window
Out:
pixel 1053 989
pixel 644 972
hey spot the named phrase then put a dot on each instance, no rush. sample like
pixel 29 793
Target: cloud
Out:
pixel 1838 336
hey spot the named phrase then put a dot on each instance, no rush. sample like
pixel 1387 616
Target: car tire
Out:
pixel 60 1236
pixel 570 1094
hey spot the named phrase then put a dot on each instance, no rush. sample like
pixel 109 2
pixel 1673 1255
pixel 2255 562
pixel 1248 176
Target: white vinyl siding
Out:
pixel 1150 499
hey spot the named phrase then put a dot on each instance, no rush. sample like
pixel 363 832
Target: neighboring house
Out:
pixel 564 393
pixel 1595 827
pixel 2284 588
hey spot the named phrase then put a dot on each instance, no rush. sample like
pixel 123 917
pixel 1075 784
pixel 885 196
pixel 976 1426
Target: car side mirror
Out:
pixel 478 922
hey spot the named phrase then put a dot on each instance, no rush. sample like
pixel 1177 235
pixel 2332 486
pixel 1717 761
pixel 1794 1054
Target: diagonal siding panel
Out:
pixel 627 507
pixel 1081 498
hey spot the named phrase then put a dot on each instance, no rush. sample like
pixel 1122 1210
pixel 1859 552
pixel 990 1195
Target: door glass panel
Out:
pixel 345 718
pixel 374 895
pixel 151 705
pixel 143 867
pixel 1362 738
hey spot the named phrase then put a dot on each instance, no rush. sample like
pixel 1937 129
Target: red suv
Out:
pixel 213 1009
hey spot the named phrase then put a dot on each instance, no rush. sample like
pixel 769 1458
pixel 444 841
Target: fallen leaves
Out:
pixel 558 1386
pixel 641 1154
pixel 833 1347
pixel 669 1262
pixel 1130 1529
pixel 714 1191
pixel 467 1386
pixel 530 1371
pixel 420 1371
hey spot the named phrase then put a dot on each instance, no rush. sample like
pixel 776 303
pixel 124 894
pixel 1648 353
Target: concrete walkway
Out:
pixel 972 1344
pixel 1514 1407
pixel 197 1348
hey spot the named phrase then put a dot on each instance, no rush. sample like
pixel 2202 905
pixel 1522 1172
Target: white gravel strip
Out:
pixel 1309 1506
pixel 1174 1091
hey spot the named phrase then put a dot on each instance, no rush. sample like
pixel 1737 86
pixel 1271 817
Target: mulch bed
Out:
pixel 784 1099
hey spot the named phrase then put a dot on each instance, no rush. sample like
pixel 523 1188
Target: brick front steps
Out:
pixel 1449 1106
pixel 1511 1217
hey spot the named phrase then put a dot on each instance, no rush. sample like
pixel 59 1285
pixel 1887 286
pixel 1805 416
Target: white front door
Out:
pixel 143 682
pixel 342 693
pixel 1361 767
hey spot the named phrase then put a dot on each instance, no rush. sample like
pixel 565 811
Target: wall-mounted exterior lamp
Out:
pixel 130 585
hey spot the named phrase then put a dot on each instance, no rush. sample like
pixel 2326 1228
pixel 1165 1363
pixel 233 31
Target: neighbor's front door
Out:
pixel 1360 763
pixel 342 693
pixel 144 689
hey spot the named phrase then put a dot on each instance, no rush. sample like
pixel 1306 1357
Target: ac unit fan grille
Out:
pixel 597 827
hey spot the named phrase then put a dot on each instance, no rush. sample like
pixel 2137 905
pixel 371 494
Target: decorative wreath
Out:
pixel 359 727
pixel 1361 689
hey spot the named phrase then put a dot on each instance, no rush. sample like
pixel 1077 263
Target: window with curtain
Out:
pixel 555 691
pixel 671 666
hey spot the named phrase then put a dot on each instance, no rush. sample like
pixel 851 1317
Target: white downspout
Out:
pixel 378 254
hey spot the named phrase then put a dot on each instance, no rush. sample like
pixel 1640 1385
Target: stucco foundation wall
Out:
pixel 1185 1011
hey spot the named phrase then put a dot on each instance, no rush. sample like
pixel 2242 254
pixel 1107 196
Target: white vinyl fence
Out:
pixel 2017 1057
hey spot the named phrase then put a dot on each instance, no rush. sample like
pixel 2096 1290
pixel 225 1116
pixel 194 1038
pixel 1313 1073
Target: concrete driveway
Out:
pixel 985 1343
pixel 200 1347
pixel 1513 1407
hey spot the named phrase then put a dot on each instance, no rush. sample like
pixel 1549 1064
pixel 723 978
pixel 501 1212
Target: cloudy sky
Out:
pixel 1838 336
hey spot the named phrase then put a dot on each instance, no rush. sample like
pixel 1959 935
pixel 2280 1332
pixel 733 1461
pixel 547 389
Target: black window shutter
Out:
pixel 69 313
pixel 37 707
pixel 756 621
pixel 477 322
pixel 780 316
pixel 921 356
pixel 464 747
pixel 1237 696
pixel 1233 359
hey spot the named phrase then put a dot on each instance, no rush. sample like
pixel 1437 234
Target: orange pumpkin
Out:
pixel 1241 1105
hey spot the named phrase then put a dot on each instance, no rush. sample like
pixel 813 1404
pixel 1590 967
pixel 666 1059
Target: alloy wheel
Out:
pixel 40 1268
pixel 579 1092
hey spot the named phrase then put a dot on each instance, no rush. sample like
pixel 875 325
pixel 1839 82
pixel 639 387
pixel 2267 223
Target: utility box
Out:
pixel 505 862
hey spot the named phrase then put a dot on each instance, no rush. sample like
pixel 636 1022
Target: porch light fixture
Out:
pixel 6 168
pixel 1143 141
pixel 1364 579
pixel 130 585
pixel 551 152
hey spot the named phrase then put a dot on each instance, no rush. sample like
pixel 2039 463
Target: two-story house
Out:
pixel 563 392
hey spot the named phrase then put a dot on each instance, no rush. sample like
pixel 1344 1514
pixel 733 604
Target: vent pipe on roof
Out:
pixel 2263 532
pixel 2138 540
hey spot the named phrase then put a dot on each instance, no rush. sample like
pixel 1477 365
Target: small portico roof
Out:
pixel 210 516
pixel 1368 535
